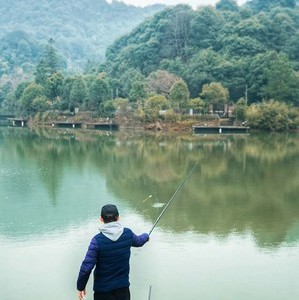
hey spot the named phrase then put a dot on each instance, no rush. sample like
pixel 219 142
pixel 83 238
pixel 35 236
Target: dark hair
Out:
pixel 109 213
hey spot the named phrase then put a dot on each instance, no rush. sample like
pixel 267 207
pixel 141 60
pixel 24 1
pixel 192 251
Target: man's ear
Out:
pixel 101 219
pixel 118 218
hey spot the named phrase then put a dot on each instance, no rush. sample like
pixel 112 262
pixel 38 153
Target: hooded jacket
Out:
pixel 109 252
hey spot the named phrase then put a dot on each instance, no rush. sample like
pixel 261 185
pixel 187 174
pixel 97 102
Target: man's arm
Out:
pixel 140 240
pixel 87 265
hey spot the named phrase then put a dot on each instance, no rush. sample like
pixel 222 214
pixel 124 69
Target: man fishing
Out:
pixel 109 252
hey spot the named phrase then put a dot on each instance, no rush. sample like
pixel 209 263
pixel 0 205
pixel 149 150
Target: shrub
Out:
pixel 272 115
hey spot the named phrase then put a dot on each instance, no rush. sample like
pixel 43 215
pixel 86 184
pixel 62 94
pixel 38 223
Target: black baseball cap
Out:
pixel 109 212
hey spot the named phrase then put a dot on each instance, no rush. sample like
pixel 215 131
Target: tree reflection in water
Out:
pixel 242 183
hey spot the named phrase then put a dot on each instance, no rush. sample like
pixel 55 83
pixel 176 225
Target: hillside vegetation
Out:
pixel 230 61
pixel 82 30
pixel 252 49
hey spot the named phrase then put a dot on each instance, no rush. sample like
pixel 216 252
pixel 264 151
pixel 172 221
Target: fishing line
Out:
pixel 173 196
pixel 150 196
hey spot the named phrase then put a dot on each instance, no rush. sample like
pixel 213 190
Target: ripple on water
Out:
pixel 158 205
pixel 11 172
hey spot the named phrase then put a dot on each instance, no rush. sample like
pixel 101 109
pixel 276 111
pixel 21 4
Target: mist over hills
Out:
pixel 81 29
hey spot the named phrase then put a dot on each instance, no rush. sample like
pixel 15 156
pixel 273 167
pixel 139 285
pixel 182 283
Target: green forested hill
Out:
pixel 178 59
pixel 81 29
pixel 253 49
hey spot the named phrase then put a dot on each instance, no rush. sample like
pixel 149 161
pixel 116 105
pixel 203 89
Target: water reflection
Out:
pixel 242 183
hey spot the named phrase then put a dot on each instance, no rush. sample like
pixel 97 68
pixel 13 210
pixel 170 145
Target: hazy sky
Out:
pixel 193 3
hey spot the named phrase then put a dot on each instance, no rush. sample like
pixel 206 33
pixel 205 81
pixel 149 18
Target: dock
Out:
pixel 17 122
pixel 220 129
pixel 102 126
pixel 67 124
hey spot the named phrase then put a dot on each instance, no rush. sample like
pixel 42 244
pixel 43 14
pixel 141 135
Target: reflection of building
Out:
pixel 4 119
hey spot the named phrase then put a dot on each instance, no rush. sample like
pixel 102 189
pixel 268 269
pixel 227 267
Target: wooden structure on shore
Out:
pixel 102 126
pixel 17 122
pixel 67 124
pixel 220 129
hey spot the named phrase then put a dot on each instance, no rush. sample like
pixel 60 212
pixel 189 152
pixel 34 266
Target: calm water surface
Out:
pixel 231 233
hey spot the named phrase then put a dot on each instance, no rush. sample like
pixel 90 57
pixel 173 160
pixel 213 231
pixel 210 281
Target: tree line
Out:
pixel 183 59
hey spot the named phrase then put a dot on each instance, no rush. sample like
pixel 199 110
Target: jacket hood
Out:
pixel 112 230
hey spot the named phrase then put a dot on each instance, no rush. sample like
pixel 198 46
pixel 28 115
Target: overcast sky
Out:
pixel 193 3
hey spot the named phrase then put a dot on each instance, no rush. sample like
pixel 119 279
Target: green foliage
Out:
pixel 179 95
pixel 4 90
pixel 222 53
pixel 78 93
pixel 281 81
pixel 99 91
pixel 83 29
pixel 240 110
pixel 131 83
pixel 204 29
pixel 53 85
pixel 9 105
pixel 157 102
pixel 152 107
pixel 215 93
pixel 198 105
pixel 230 5
pixel 40 104
pixel 229 44
pixel 121 105
pixel 138 91
pixel 171 116
pixel 31 99
pixel 272 115
pixel 17 48
pixel 108 108
pixel 49 115
pixel 20 89
pixel 268 4
pixel 47 71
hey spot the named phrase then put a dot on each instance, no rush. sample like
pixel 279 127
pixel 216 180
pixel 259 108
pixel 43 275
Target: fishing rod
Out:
pixel 173 196
pixel 150 292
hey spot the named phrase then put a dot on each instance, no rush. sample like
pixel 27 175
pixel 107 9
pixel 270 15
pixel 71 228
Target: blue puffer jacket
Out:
pixel 109 252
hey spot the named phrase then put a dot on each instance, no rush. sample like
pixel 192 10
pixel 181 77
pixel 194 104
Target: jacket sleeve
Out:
pixel 140 240
pixel 87 265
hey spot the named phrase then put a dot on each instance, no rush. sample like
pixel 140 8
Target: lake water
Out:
pixel 231 233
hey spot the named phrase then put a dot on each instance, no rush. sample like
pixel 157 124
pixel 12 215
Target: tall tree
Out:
pixel 54 85
pixel 138 91
pixel 214 93
pixel 179 96
pixel 32 92
pixel 48 64
pixel 281 81
pixel 78 93
pixel 99 91
pixel 230 5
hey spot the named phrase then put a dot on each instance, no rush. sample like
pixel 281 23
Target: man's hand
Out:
pixel 82 294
